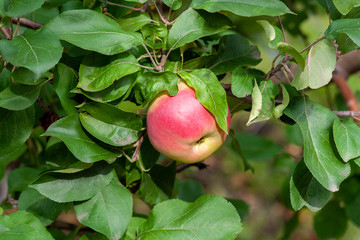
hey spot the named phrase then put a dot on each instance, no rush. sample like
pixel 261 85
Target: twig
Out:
pixel 181 167
pixel 25 22
pixel 162 17
pixel 282 29
pixel 120 5
pixel 346 113
pixel 151 58
pixel 6 32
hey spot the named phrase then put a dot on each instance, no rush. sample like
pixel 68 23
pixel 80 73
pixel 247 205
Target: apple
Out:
pixel 181 128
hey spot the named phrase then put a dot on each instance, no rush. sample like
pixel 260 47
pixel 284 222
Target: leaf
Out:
pixel 22 225
pixel 43 208
pixel 149 84
pixel 243 7
pixel 20 178
pixel 242 207
pixel 98 72
pixel 189 190
pixel 305 190
pixel 209 93
pixel 64 81
pixel 279 109
pixel 289 49
pixel 132 228
pixel 134 21
pixel 173 4
pixel 315 122
pixel 5 79
pixel 25 76
pixel 209 217
pixel 19 97
pixel 18 8
pixel 346 136
pixel 352 210
pixel 69 130
pixel 36 50
pixel 345 6
pixel 331 221
pixel 263 98
pixel 109 124
pixel 117 90
pixel 234 51
pixel 273 34
pixel 320 64
pixel 12 155
pixel 15 128
pixel 235 145
pixel 241 82
pixel 93 31
pixel 350 27
pixel 157 185
pixel 108 212
pixel 78 186
pixel 330 8
pixel 192 25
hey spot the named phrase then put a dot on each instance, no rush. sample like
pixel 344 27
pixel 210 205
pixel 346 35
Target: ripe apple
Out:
pixel 181 128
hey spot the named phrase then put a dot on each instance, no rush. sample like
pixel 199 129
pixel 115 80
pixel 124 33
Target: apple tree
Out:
pixel 77 78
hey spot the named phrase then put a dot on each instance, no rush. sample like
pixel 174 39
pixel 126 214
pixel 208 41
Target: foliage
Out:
pixel 76 78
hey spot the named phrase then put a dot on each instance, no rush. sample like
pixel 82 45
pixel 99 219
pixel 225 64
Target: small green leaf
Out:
pixel 209 93
pixel 132 228
pixel 241 82
pixel 346 136
pixel 12 155
pixel 193 24
pixel 173 4
pixel 320 64
pixel 279 109
pixel 20 178
pixel 315 122
pixel 109 124
pixel 18 8
pixel 189 190
pixel 108 212
pixel 134 21
pixel 69 130
pixel 305 190
pixel 22 225
pixel 273 34
pixel 43 208
pixel 244 7
pixel 25 76
pixel 79 186
pixel 36 50
pixel 209 217
pixel 345 6
pixel 19 97
pixel 351 27
pixel 93 31
pixel 98 72
pixel 289 49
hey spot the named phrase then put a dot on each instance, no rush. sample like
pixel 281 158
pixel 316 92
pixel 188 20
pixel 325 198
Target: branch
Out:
pixel 120 5
pixel 25 22
pixel 346 113
pixel 6 32
pixel 181 167
pixel 282 29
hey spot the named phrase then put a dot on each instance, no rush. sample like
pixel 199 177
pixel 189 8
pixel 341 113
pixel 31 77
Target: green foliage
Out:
pixel 76 78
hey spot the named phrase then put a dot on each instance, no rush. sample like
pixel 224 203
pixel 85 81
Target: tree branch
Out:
pixel 25 22
pixel 181 167
pixel 6 32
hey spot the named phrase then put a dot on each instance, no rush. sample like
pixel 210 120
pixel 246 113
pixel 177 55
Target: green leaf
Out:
pixel 289 49
pixel 234 51
pixel 22 225
pixel 36 50
pixel 242 207
pixel 149 84
pixel 154 35
pixel 263 98
pixel 173 4
pixel 189 190
pixel 69 130
pixel 117 90
pixel 132 228
pixel 108 212
pixel 19 97
pixel 78 186
pixel 352 210
pixel 235 145
pixel 315 122
pixel 331 221
pixel 93 31
pixel 25 76
pixel 241 82
pixel 5 79
pixel 65 80
pixel 98 72
pixel 15 128
pixel 52 157
pixel 345 6
pixel 273 34
pixel 320 64
pixel 350 27
pixel 18 8
pixel 43 208
pixel 157 185
pixel 279 109
pixel 109 124
pixel 12 155
pixel 209 217
pixel 346 136
pixel 192 25
pixel 243 7
pixel 209 93
pixel 305 190
pixel 20 178
pixel 134 21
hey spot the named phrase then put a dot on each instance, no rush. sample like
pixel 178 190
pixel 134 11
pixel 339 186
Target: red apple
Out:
pixel 181 128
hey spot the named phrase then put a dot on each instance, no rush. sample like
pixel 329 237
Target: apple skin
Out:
pixel 181 128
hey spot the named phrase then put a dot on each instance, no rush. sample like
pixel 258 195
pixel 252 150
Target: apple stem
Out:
pixel 181 167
